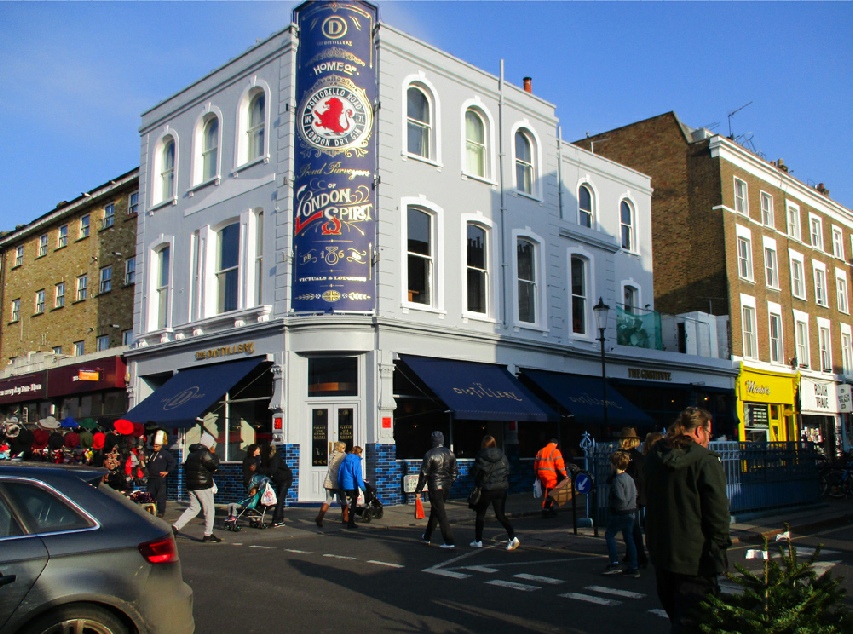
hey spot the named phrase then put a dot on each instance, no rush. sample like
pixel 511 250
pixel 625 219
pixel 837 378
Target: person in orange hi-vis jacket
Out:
pixel 551 470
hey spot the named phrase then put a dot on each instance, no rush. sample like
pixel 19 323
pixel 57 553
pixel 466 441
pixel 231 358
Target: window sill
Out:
pixel 128 284
pixel 480 317
pixel 253 162
pixel 423 308
pixel 480 179
pixel 518 326
pixel 164 203
pixel 520 194
pixel 210 182
pixel 13 322
pixel 421 159
pixel 39 257
pixel 131 214
pixel 81 238
pixel 17 266
pixel 57 308
pixel 78 301
pixel 106 228
pixel 38 314
pixel 106 292
pixel 774 288
pixel 746 280
pixel 60 247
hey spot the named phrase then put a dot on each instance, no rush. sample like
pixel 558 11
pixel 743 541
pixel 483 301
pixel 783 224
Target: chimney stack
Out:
pixel 528 84
pixel 822 190
pixel 781 165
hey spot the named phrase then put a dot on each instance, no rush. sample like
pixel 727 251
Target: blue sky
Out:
pixel 75 76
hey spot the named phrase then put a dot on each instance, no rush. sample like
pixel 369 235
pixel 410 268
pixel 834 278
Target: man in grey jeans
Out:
pixel 199 468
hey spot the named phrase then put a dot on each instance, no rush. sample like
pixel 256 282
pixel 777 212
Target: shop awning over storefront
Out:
pixel 582 397
pixel 190 392
pixel 479 391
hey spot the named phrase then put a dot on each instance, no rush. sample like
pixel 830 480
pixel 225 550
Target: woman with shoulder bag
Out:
pixel 333 490
pixel 491 475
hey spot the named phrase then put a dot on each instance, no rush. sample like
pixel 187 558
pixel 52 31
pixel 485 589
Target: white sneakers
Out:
pixel 448 546
pixel 513 543
pixel 476 544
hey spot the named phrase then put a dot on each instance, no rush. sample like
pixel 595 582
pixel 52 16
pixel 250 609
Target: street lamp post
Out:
pixel 601 310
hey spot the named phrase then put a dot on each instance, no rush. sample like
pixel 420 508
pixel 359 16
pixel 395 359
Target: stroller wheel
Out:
pixel 366 516
pixel 378 513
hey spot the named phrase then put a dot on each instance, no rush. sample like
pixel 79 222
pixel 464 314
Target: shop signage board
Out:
pixel 27 387
pixel 844 398
pixel 818 397
pixel 756 416
pixel 335 160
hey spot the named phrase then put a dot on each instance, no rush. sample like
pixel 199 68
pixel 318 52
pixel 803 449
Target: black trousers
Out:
pixel 681 596
pixel 157 488
pixel 281 493
pixel 352 496
pixel 438 515
pixel 497 499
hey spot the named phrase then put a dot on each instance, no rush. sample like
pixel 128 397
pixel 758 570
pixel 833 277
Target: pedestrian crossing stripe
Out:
pixel 296 551
pixel 659 612
pixel 446 573
pixel 578 596
pixel 514 586
pixel 384 563
pixel 333 556
pixel 538 579
pixel 619 593
pixel 485 569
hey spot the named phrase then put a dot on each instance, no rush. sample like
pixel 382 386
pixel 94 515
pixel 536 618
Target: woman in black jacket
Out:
pixel 274 467
pixel 491 474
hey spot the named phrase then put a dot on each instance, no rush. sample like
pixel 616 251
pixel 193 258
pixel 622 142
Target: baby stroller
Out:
pixel 369 506
pixel 249 509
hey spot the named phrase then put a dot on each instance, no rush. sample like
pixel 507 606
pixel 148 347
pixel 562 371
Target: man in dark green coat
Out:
pixel 687 517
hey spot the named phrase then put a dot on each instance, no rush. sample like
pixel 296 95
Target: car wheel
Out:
pixel 77 619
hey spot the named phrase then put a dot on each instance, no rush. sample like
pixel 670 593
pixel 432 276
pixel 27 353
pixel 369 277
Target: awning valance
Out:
pixel 479 391
pixel 190 392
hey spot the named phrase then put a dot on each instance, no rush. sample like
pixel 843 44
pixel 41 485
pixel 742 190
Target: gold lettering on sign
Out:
pixel 224 351
pixel 479 391
pixel 649 375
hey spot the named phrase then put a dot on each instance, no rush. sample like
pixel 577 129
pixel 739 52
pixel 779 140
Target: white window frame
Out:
pixel 744 259
pixel 846 349
pixel 423 84
pixel 792 217
pixel 216 243
pixel 40 301
pixel 837 242
pixel 109 216
pixel 79 348
pixel 16 310
pixel 627 201
pixel 540 306
pixel 82 288
pixel 767 216
pixel 159 295
pixel 105 280
pixel 43 239
pixel 824 337
pixel 207 160
pixel 477 107
pixel 771 263
pixel 741 198
pixel 797 264
pixel 102 343
pixel 593 202
pixel 631 285
pixel 777 344
pixel 19 255
pixel 245 152
pixel 587 297
pixel 437 227
pixel 816 231
pixel 164 181
pixel 802 345
pixel 59 295
pixel 525 128
pixel 127 338
pixel 491 263
pixel 821 290
pixel 256 272
pixel 62 237
pixel 841 295
pixel 130 271
pixel 133 203
pixel 749 327
pixel 429 259
pixel 85 225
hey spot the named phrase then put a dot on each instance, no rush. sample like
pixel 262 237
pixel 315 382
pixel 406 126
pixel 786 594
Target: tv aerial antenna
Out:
pixel 733 113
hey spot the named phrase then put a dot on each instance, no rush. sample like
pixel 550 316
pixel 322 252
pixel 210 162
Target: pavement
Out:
pixel 559 530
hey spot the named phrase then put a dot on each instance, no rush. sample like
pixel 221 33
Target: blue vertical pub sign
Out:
pixel 335 158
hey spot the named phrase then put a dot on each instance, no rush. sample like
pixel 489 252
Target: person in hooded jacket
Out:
pixel 687 517
pixel 438 472
pixel 350 481
pixel 199 468
pixel 630 443
pixel 491 474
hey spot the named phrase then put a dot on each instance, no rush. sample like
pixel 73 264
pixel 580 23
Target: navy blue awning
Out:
pixel 479 391
pixel 582 397
pixel 190 392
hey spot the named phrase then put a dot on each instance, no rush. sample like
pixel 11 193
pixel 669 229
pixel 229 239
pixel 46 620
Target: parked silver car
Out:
pixel 75 556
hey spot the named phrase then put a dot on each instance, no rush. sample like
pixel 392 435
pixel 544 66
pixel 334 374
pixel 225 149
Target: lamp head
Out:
pixel 601 311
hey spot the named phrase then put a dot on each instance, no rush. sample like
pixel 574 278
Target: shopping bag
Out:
pixel 562 493
pixel 268 497
pixel 474 497
pixel 419 509
pixel 537 488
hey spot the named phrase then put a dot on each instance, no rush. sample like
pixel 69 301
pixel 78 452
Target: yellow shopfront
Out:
pixel 766 405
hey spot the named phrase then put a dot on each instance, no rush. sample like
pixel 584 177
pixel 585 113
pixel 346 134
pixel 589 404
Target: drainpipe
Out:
pixel 560 170
pixel 504 289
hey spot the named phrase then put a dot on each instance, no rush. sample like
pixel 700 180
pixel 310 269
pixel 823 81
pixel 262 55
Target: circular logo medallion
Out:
pixel 335 116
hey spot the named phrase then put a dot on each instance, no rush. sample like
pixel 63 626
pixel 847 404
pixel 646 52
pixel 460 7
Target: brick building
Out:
pixel 737 235
pixel 66 282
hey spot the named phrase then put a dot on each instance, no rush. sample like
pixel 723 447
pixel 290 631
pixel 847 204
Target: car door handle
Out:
pixel 7 579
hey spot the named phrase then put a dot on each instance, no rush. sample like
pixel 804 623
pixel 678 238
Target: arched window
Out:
pixel 419 118
pixel 585 206
pixel 627 222
pixel 167 169
pixel 524 162
pixel 630 299
pixel 580 294
pixel 210 149
pixel 475 143
pixel 256 131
